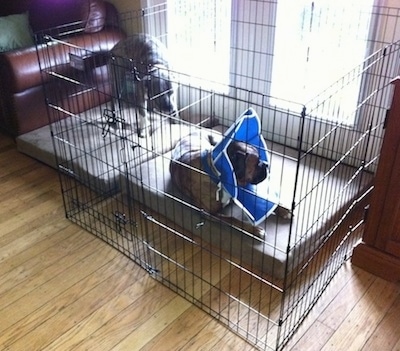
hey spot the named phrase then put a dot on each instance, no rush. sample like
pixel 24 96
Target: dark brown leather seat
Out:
pixel 89 24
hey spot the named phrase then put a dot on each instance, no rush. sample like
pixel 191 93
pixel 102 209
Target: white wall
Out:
pixel 129 5
pixel 126 5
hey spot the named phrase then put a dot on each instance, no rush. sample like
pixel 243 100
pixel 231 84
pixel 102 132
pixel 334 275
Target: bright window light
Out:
pixel 199 36
pixel 316 43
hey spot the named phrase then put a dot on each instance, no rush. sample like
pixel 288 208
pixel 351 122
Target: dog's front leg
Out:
pixel 246 226
pixel 144 121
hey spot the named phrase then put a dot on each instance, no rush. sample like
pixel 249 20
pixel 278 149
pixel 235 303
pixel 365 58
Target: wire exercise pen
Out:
pixel 118 185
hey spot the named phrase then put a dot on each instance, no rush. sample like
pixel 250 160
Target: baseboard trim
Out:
pixel 376 262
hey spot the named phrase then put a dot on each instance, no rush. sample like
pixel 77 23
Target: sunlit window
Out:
pixel 316 43
pixel 288 49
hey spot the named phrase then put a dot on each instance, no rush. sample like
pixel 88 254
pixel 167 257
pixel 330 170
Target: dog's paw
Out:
pixel 283 212
pixel 259 232
pixel 144 127
pixel 174 119
pixel 247 227
pixel 144 132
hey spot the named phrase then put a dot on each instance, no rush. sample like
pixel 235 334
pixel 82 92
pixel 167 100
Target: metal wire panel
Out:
pixel 323 153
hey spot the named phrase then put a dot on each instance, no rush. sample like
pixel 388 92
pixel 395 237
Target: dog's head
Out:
pixel 162 90
pixel 246 163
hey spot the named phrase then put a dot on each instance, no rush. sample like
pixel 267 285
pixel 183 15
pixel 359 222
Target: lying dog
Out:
pixel 141 71
pixel 190 161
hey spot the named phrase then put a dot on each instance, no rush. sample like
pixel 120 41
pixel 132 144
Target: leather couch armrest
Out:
pixel 21 70
pixel 17 68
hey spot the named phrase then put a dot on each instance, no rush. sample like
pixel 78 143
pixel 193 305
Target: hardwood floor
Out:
pixel 61 288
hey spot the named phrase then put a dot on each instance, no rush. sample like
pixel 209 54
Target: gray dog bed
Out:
pixel 152 185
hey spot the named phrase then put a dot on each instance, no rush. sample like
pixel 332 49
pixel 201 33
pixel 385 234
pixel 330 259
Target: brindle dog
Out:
pixel 188 174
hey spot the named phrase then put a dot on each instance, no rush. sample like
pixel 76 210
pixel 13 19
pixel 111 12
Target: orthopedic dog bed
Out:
pixel 152 186
pixel 94 152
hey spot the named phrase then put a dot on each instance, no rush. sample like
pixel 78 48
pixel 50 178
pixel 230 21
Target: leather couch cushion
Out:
pixel 21 70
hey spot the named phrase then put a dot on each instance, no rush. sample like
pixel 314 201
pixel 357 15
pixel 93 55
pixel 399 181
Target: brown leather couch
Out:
pixel 89 24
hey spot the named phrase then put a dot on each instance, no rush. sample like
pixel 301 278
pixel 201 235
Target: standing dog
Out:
pixel 188 167
pixel 141 70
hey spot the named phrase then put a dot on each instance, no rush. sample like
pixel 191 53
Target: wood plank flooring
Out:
pixel 61 288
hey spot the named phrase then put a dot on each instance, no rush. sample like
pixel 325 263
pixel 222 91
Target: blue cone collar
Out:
pixel 257 204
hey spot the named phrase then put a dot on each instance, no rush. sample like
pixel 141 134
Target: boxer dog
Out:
pixel 141 70
pixel 189 174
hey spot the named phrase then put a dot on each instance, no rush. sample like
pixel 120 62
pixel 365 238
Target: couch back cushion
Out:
pixel 12 7
pixel 52 13
pixel 44 14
